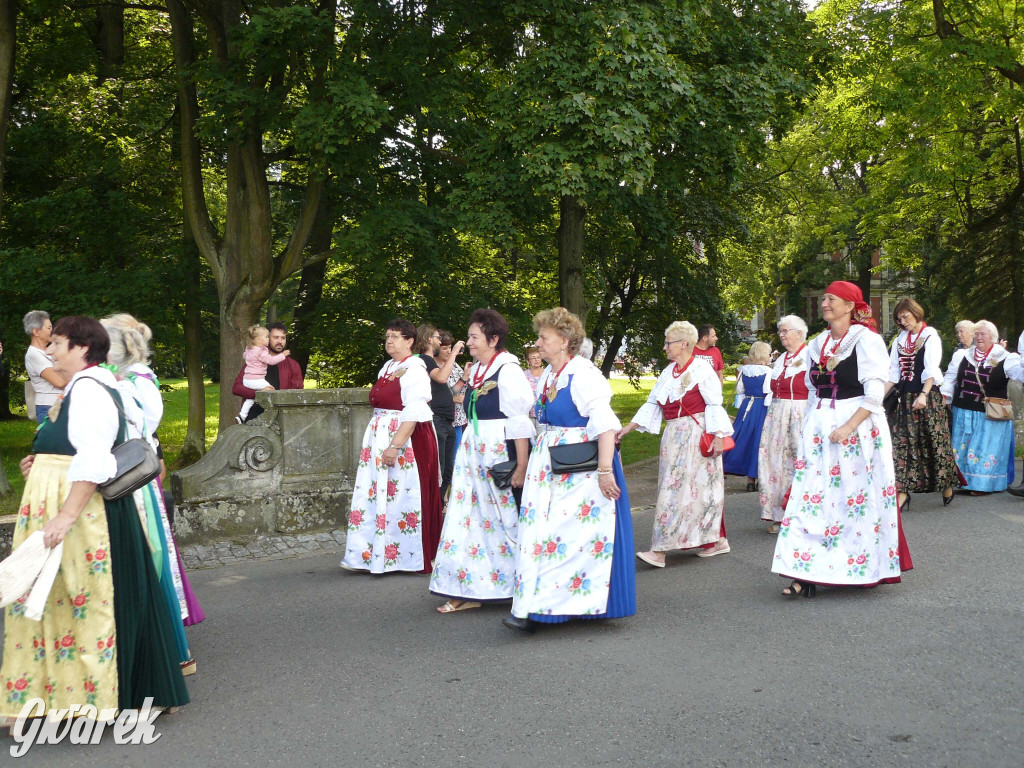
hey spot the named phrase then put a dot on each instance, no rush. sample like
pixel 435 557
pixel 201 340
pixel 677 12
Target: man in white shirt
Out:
pixel 46 383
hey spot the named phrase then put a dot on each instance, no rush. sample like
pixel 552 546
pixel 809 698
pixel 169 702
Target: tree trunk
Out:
pixel 570 257
pixel 311 286
pixel 8 46
pixel 5 392
pixel 195 434
pixel 108 36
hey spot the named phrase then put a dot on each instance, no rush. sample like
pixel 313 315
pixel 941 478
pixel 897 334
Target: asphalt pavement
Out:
pixel 303 664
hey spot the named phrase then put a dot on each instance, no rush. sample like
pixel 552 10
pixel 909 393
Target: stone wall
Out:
pixel 292 470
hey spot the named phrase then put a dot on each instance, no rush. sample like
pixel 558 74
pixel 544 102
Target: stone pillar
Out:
pixel 291 470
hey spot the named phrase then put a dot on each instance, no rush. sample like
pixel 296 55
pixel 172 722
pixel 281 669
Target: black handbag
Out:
pixel 573 457
pixel 891 401
pixel 501 473
pixel 137 462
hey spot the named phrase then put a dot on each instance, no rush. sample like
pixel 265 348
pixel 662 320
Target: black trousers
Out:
pixel 445 430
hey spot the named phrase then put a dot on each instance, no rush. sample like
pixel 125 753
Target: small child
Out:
pixel 257 358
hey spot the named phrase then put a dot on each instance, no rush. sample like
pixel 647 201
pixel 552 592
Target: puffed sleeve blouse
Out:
pixel 516 396
pixel 415 387
pixel 591 394
pixel 949 380
pixel 93 423
pixel 670 389
pixel 932 355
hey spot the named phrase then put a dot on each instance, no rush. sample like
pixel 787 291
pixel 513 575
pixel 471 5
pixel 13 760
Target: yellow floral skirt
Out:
pixel 70 656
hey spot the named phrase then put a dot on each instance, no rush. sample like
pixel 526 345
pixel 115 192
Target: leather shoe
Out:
pixel 1018 491
pixel 514 622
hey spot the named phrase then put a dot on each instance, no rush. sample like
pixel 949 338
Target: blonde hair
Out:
pixel 254 333
pixel 760 353
pixel 129 340
pixel 684 331
pixel 564 323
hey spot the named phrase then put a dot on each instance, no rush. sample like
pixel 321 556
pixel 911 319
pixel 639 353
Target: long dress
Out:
pixel 780 438
pixel 690 510
pixel 575 555
pixel 842 525
pixel 395 521
pixel 476 557
pixel 105 637
pixel 981 444
pixel 922 450
pixel 753 383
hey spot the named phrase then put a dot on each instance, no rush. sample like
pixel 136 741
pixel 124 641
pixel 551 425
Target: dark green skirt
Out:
pixel 147 658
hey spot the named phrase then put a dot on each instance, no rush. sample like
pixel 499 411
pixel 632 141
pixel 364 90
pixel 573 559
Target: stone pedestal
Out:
pixel 292 470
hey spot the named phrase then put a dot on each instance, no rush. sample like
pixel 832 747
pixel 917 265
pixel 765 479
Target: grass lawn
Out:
pixel 16 436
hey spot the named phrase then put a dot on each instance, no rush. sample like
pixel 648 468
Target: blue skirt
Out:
pixel 742 460
pixel 622 587
pixel 982 446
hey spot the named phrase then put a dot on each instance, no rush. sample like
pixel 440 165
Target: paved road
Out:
pixel 303 664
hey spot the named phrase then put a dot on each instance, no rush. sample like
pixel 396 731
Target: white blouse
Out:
pixel 415 388
pixel 92 426
pixel 872 364
pixel 667 388
pixel 143 404
pixel 932 355
pixel 514 392
pixel 754 369
pixel 590 391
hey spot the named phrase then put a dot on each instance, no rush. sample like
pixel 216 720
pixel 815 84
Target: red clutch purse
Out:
pixel 707 443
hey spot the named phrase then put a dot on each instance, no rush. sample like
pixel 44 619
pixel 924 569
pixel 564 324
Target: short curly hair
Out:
pixel 683 331
pixel 760 353
pixel 564 323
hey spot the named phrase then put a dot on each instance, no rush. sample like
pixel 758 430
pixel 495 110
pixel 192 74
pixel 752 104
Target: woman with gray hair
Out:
pixel 144 409
pixel 780 438
pixel 981 443
pixel 46 383
pixel 690 511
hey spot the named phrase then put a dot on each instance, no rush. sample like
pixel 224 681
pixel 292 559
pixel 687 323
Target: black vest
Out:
pixel 841 383
pixel 967 393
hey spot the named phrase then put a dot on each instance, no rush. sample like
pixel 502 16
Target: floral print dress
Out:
pixel 477 554
pixel 393 508
pixel 690 510
pixel 575 545
pixel 780 438
pixel 841 525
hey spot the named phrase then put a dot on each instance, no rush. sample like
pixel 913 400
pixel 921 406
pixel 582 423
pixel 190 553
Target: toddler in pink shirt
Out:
pixel 257 358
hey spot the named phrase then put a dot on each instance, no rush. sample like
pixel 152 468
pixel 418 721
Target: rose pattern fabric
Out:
pixel 841 525
pixel 922 446
pixel 476 557
pixel 777 455
pixel 554 576
pixel 384 522
pixel 691 490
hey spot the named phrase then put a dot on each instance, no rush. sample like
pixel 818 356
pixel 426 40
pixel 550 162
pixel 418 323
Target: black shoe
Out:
pixel 905 505
pixel 1018 491
pixel 799 589
pixel 750 487
pixel 523 625
pixel 947 500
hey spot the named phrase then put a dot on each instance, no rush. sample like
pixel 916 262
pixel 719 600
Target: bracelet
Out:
pixel 396 447
pixel 607 471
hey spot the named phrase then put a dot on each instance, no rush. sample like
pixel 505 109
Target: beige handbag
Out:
pixel 996 408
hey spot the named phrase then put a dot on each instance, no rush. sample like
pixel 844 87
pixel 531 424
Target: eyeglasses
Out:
pixel 393 337
pixel 668 343
pixel 784 331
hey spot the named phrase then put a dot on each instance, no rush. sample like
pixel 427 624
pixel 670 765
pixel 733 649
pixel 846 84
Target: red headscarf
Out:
pixel 851 292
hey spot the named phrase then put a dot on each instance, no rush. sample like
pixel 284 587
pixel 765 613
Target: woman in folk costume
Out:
pixel 981 443
pixel 783 426
pixel 842 524
pixel 395 522
pixel 690 511
pixel 144 407
pixel 752 381
pixel 105 637
pixel 922 451
pixel 575 529
pixel 476 558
